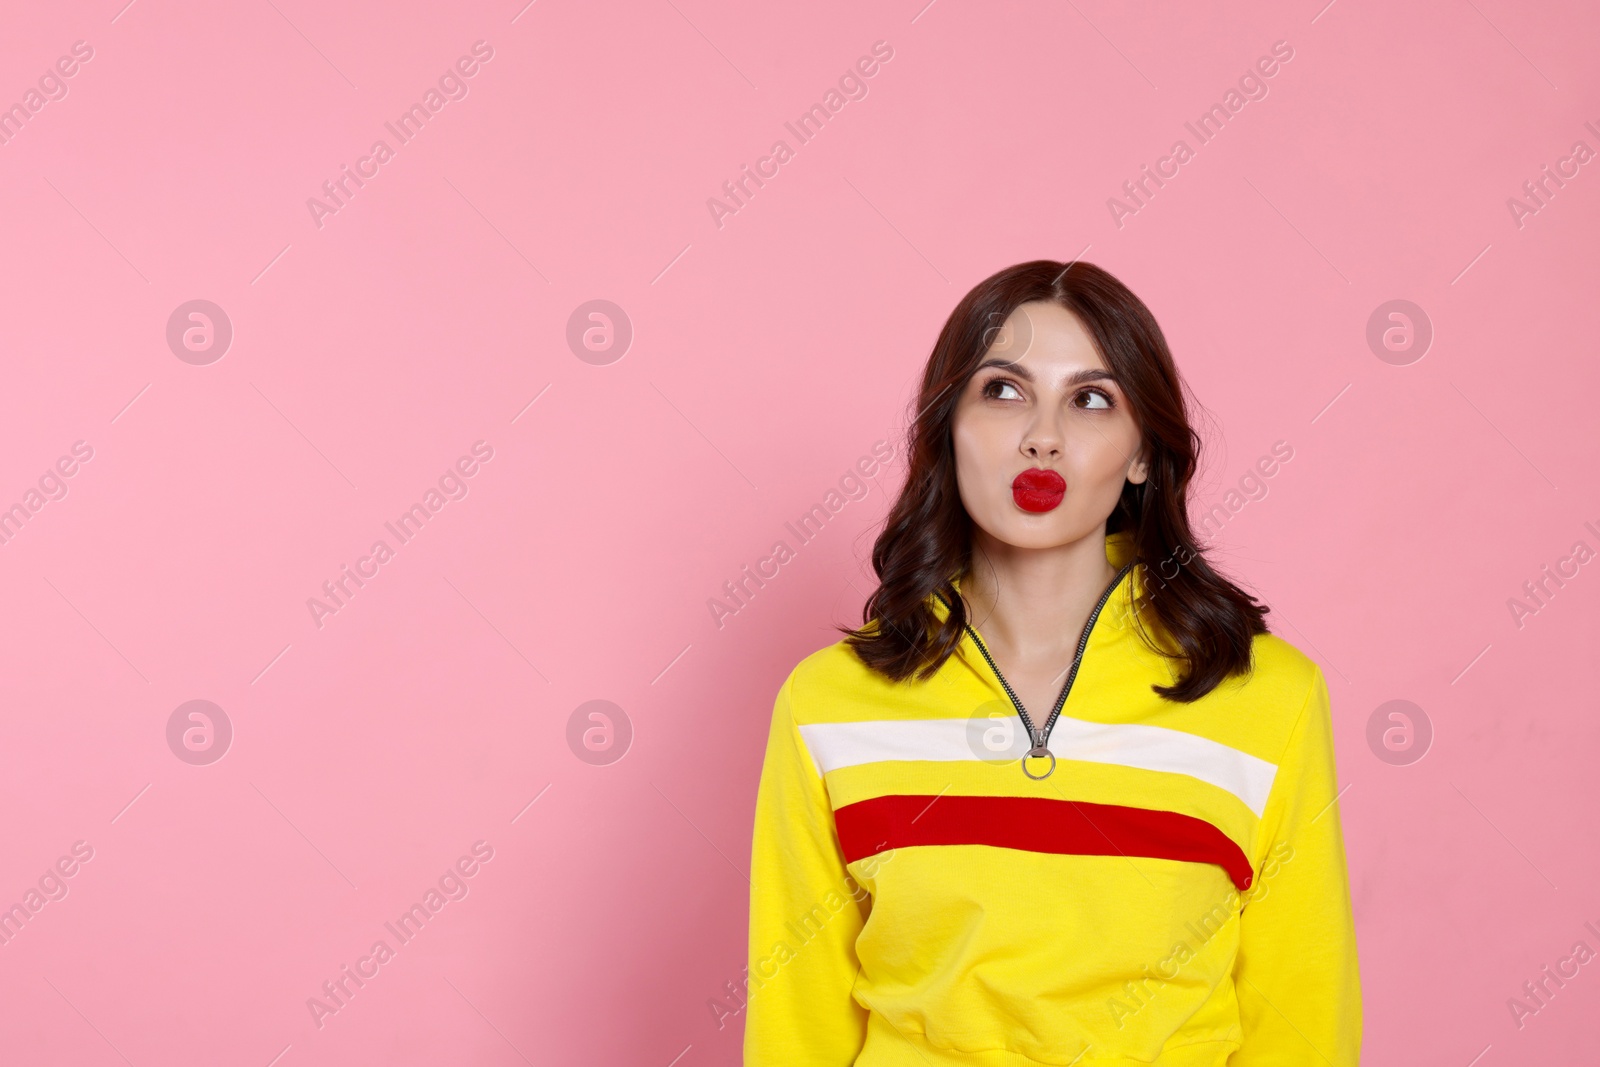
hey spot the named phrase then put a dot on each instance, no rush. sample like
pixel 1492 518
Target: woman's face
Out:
pixel 1043 398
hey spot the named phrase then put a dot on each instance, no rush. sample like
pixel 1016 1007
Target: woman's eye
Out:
pixel 1094 399
pixel 1000 383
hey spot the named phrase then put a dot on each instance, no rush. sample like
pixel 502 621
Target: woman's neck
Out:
pixel 1034 602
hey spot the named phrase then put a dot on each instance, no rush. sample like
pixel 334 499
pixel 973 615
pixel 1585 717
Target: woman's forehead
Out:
pixel 1046 338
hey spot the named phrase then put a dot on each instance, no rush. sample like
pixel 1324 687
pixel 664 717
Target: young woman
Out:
pixel 1062 799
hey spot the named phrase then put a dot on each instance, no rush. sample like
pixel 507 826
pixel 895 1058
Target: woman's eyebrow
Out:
pixel 1088 374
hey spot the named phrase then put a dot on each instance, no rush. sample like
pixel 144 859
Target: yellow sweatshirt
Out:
pixel 1173 893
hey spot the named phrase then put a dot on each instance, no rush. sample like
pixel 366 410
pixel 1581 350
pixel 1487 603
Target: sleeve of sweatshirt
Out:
pixel 805 912
pixel 1296 974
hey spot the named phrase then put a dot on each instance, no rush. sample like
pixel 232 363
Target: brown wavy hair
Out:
pixel 1195 617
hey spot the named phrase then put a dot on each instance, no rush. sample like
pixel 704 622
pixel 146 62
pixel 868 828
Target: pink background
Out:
pixel 768 356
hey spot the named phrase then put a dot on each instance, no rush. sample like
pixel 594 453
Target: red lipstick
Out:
pixel 1036 489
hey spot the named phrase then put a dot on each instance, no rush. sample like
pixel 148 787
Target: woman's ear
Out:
pixel 1139 469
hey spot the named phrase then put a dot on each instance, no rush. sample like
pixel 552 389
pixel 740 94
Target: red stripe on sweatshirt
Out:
pixel 1035 824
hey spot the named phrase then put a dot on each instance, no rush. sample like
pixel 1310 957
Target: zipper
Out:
pixel 1039 738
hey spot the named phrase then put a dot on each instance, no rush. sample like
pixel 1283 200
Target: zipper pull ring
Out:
pixel 1039 751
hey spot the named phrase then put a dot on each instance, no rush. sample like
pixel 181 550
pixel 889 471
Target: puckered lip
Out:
pixel 1039 480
